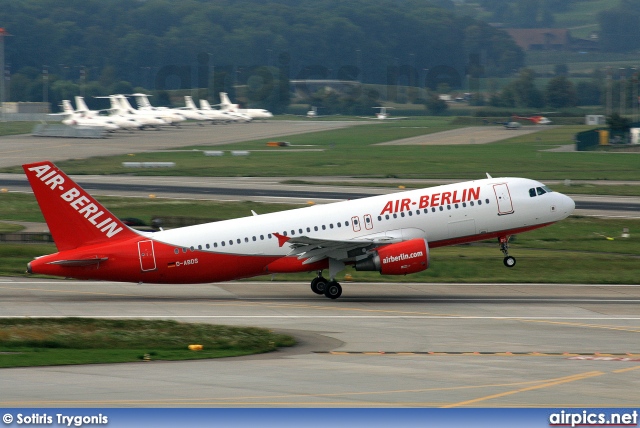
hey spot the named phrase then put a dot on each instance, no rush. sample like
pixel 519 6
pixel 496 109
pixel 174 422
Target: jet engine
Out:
pixel 398 259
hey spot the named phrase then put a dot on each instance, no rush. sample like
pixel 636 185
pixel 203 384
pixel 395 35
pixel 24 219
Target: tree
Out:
pixel 619 30
pixel 560 93
pixel 435 106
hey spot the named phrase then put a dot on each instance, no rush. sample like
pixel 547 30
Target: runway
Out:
pixel 384 344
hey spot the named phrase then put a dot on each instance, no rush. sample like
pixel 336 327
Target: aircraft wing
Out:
pixel 314 249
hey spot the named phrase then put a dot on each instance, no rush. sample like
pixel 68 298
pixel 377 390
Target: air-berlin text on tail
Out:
pixel 432 200
pixel 78 201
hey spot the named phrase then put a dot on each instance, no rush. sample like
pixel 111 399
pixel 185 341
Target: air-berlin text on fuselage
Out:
pixel 78 201
pixel 401 257
pixel 432 200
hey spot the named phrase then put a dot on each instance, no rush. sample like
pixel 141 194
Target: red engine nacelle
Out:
pixel 398 259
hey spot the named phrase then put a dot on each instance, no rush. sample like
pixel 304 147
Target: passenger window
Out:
pixel 293 232
pixel 540 191
pixel 471 203
pixel 401 214
pixel 300 231
pixel 433 210
pixel 486 201
pixel 223 244
pixel 331 226
pixel 532 192
pixel 254 239
pixel 395 215
pixel 230 241
pixel 269 236
pixel 464 205
pixel 308 229
pixel 479 202
pixel 339 224
pixel 246 239
pixel 207 246
pixel 176 251
pixel 441 208
pixel 410 213
pixel 199 247
pixel 379 218
pixel 386 216
pixel 215 245
pixel 324 227
pixel 346 223
pixel 239 241
pixel 315 228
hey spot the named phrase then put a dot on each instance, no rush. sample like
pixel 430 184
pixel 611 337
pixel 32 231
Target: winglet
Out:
pixel 488 176
pixel 74 218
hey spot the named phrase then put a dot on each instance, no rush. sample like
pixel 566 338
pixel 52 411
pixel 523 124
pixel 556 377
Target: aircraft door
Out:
pixel 355 224
pixel 147 256
pixel 368 222
pixel 504 199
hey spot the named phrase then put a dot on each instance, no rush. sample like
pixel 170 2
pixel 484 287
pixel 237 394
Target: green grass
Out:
pixel 10 227
pixel 16 128
pixel 38 342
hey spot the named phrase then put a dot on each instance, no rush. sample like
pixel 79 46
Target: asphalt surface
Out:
pixel 441 345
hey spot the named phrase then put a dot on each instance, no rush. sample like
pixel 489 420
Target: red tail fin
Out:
pixel 74 218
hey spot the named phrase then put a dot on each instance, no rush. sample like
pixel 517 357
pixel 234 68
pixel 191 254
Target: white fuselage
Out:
pixel 471 211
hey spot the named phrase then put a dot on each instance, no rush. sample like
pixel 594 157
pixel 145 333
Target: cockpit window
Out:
pixel 532 192
pixel 541 191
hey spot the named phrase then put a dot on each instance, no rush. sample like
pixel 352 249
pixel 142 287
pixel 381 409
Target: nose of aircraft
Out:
pixel 566 205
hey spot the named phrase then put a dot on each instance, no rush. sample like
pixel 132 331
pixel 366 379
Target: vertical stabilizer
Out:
pixel 81 106
pixel 74 218
pixel 188 101
pixel 67 107
pixel 204 105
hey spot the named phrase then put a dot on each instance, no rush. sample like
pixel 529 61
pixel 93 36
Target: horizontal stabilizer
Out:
pixel 80 262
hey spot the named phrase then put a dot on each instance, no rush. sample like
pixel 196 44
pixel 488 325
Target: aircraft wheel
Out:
pixel 333 290
pixel 509 261
pixel 318 285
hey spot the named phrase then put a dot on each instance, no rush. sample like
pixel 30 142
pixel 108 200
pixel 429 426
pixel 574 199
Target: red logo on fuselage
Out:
pixel 432 200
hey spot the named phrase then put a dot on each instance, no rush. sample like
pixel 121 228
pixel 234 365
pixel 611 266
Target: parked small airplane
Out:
pixel 538 120
pixel 169 115
pixel 383 115
pixel 254 113
pixel 73 118
pixel 120 120
pixel 120 107
pixel 391 234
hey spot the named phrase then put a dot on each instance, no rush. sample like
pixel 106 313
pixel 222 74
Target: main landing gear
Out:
pixel 508 261
pixel 331 289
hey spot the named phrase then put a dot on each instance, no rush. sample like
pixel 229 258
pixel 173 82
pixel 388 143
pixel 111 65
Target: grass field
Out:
pixel 352 152
pixel 38 342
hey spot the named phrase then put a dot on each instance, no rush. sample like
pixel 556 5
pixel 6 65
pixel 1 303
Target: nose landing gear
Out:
pixel 508 260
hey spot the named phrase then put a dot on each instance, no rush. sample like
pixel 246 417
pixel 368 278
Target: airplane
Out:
pixel 120 107
pixel 120 120
pixel 254 113
pixel 313 112
pixel 172 116
pixel 217 115
pixel 191 111
pixel 147 117
pixel 73 118
pixel 383 115
pixel 391 234
pixel 537 120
